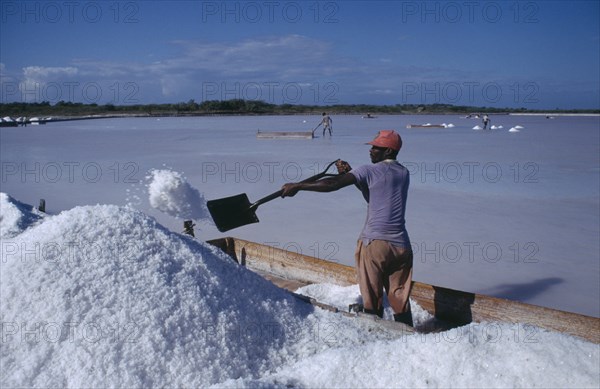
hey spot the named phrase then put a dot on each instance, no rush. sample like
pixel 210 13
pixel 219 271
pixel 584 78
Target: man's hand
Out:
pixel 343 167
pixel 290 190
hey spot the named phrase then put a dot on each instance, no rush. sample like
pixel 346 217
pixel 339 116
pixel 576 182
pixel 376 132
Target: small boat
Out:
pixel 454 308
pixel 285 135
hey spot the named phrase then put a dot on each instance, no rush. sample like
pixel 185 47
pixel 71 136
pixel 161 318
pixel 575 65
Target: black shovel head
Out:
pixel 231 212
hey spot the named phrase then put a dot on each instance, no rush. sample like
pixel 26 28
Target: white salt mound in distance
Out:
pixel 477 128
pixel 169 192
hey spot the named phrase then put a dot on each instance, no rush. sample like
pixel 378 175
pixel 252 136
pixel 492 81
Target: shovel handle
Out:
pixel 277 194
pixel 318 125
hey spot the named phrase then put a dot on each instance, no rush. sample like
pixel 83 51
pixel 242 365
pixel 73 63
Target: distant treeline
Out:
pixel 245 107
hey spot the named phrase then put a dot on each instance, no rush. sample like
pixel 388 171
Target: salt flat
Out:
pixel 513 215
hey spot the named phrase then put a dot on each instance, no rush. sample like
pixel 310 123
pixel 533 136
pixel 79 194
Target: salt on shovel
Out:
pixel 236 211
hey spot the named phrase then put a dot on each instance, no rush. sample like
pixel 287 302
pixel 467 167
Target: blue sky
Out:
pixel 534 54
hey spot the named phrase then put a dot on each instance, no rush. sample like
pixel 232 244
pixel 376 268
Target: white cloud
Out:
pixel 383 92
pixel 245 68
pixel 37 80
pixel 263 61
pixel 44 74
pixel 278 56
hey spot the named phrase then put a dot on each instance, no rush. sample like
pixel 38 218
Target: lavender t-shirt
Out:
pixel 385 187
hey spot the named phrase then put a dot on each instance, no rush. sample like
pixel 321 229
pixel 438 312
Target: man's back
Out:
pixel 384 186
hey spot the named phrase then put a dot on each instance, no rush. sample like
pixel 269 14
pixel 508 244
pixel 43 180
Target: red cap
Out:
pixel 388 139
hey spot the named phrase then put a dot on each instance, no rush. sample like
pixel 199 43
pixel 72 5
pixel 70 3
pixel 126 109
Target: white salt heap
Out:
pixel 104 296
pixel 169 192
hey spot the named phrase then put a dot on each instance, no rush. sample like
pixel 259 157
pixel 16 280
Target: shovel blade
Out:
pixel 231 212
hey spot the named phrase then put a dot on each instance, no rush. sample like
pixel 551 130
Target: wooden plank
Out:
pixel 291 285
pixel 446 304
pixel 425 126
pixel 284 135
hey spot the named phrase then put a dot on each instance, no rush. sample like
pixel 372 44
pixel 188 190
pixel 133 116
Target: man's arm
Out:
pixel 324 185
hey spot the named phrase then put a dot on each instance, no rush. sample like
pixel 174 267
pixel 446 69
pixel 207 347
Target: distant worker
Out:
pixel 486 121
pixel 384 257
pixel 326 122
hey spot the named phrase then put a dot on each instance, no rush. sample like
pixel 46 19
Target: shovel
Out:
pixel 236 211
